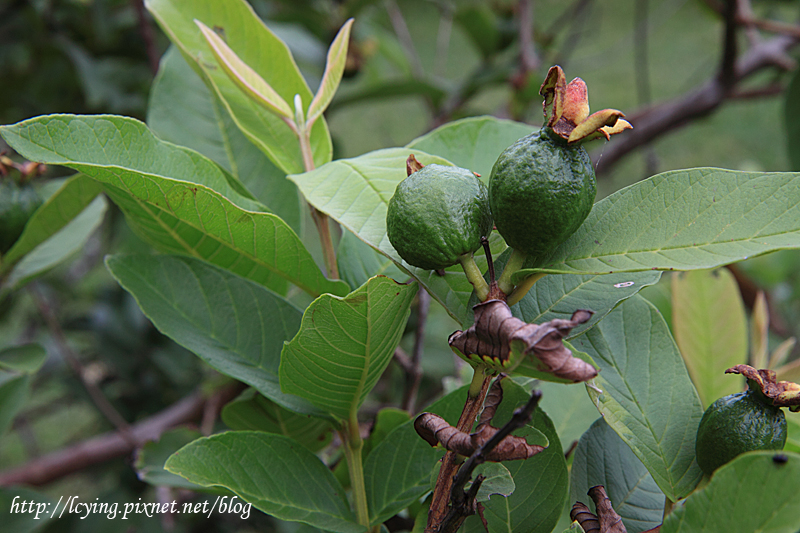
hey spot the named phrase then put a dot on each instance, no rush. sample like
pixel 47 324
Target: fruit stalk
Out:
pixel 451 461
pixel 474 276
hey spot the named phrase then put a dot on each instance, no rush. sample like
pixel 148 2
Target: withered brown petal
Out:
pixel 495 329
pixel 412 165
pixel 782 393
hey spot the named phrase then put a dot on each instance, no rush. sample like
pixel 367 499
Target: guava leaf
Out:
pixel 263 52
pixel 174 197
pixel 757 491
pixel 254 412
pixel 602 458
pixel 56 212
pixel 183 110
pixel 344 345
pixel 644 392
pixel 249 462
pixel 235 325
pixel 710 328
pixel 334 69
pixel 683 220
pixel 473 143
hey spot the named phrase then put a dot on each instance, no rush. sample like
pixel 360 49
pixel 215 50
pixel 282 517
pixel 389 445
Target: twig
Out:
pixel 529 61
pixel 414 373
pixel 98 398
pixel 462 503
pixel 443 38
pixel 404 35
pixel 146 29
pixel 102 448
pixel 657 121
pixel 727 71
pixel 450 463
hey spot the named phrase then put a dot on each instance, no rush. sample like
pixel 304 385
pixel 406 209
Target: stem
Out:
pixel 303 131
pixel 474 276
pixel 352 443
pixel 522 289
pixel 668 505
pixel 451 461
pixel 515 262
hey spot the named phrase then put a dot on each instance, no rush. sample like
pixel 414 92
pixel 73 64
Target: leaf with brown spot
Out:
pixel 501 341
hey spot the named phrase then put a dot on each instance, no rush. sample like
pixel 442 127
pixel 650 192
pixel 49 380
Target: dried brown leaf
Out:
pixel 500 340
pixel 781 393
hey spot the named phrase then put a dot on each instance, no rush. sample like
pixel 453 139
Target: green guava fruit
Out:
pixel 437 214
pixel 540 191
pixel 17 204
pixel 736 424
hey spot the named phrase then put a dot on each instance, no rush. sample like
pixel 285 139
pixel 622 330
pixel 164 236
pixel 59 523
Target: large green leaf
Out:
pixel 233 324
pixel 182 110
pixel 683 220
pixel 602 458
pixel 252 411
pixel 474 143
pixel 541 482
pixel 754 492
pixel 264 53
pixel 647 396
pixel 358 262
pixel 344 345
pixel 273 472
pixel 56 212
pixel 393 480
pixel 60 246
pixel 570 409
pixel 710 328
pixel 166 193
pixel 558 296
pixel 17 363
pixel 151 457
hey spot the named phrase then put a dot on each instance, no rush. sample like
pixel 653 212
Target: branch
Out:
pixel 651 123
pixel 108 446
pixel 463 502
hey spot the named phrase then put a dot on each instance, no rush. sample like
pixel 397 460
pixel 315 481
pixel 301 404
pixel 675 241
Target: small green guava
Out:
pixel 438 214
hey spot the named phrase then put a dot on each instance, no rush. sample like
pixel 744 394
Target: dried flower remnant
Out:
pixel 500 341
pixel 780 393
pixel 435 429
pixel 606 521
pixel 566 110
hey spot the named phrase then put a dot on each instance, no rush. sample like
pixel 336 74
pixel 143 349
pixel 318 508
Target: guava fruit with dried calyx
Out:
pixel 438 214
pixel 542 187
pixel 17 204
pixel 540 191
pixel 746 421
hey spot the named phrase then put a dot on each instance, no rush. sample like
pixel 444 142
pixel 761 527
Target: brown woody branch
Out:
pixel 56 465
pixel 653 122
pixel 462 503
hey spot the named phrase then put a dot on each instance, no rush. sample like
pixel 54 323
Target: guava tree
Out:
pixel 235 283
